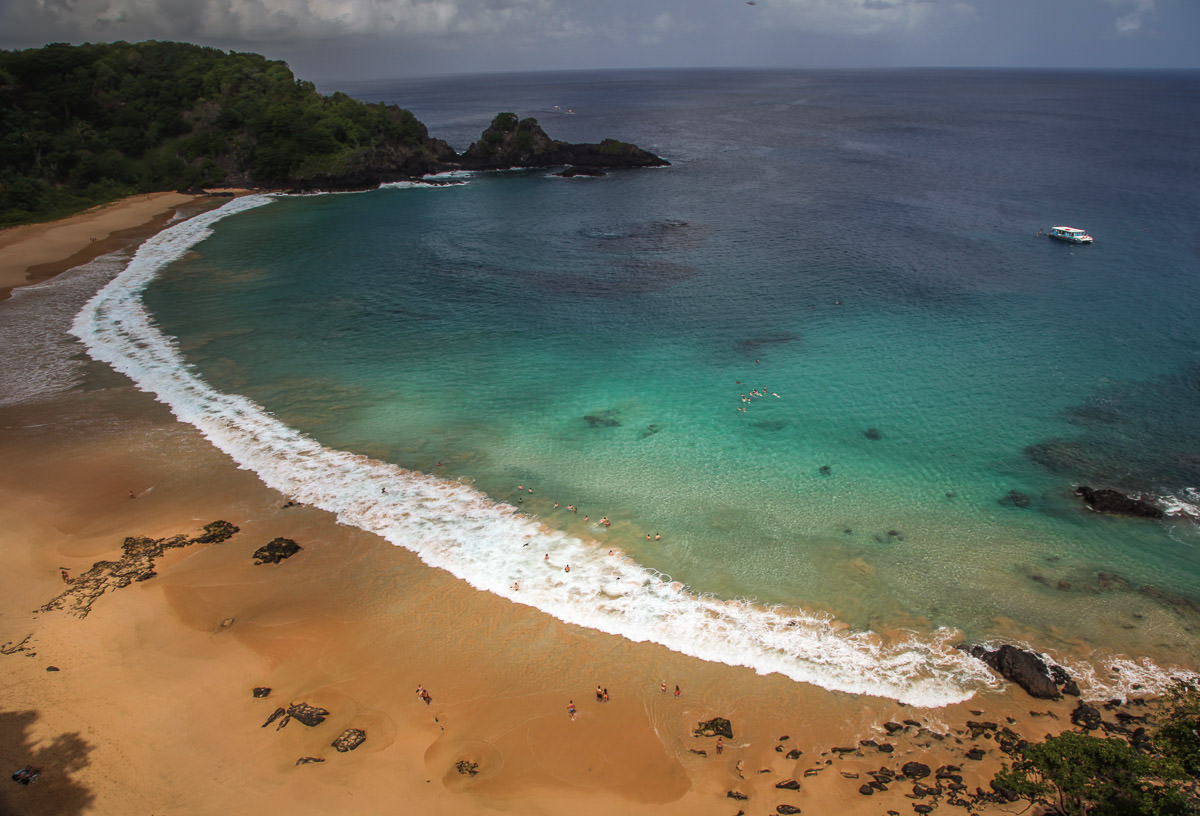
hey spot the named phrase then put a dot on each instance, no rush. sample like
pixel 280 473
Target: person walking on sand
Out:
pixel 720 744
pixel 605 695
pixel 664 686
pixel 571 708
pixel 677 691
pixel 599 695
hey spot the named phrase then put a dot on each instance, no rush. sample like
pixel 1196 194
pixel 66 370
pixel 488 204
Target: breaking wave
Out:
pixel 492 545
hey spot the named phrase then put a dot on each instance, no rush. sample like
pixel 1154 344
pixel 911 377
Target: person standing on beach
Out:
pixel 599 695
pixel 677 691
pixel 664 686
pixel 571 708
pixel 720 744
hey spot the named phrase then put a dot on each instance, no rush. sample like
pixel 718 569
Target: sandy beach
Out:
pixel 145 704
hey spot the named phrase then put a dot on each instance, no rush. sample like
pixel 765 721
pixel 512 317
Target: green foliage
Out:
pixel 80 125
pixel 1179 738
pixel 1076 773
pixel 504 123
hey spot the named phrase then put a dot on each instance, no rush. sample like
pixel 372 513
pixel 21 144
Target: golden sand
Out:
pixel 150 709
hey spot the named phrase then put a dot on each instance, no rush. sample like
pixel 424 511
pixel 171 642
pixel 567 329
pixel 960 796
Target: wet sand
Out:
pixel 150 707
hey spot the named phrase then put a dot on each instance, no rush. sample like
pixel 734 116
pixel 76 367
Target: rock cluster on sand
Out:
pixel 136 563
pixel 303 713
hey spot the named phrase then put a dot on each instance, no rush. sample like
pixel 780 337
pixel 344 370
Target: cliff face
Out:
pixel 509 142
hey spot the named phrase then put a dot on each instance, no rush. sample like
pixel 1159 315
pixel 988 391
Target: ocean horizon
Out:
pixel 819 392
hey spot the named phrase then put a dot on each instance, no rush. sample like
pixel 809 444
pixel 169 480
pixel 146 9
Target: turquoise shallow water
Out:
pixel 863 246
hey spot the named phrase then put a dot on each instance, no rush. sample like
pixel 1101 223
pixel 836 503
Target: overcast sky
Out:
pixel 326 40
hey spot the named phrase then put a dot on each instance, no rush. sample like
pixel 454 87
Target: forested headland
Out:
pixel 85 124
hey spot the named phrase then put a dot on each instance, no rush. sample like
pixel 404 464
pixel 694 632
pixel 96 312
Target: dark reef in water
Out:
pixel 1111 501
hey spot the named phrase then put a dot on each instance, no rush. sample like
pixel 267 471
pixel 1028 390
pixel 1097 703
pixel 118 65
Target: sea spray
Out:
pixel 491 545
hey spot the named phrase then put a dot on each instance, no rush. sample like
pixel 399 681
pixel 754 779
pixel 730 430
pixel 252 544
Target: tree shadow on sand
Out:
pixel 54 791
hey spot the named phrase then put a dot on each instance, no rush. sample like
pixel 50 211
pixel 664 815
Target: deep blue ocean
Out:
pixel 822 372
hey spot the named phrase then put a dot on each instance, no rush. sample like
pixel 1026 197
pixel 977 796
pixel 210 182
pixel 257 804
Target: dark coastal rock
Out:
pixel 788 784
pixel 261 691
pixel 825 470
pixel 893 728
pixel 309 760
pixel 1110 501
pixel 52 668
pixel 1014 498
pixel 1086 717
pixel 874 434
pixel 466 768
pixel 716 727
pixel 306 714
pixel 923 808
pixel 786 809
pixel 1140 739
pixel 738 795
pixel 349 739
pixel 1007 794
pixel 573 171
pixel 866 790
pixel 275 550
pixel 275 715
pixel 512 142
pixel 216 532
pixel 794 753
pixel 1022 667
pixel 976 754
pixel 698 751
pixel 915 770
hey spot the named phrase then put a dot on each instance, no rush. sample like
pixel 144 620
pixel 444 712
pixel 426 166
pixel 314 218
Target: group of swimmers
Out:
pixel 754 394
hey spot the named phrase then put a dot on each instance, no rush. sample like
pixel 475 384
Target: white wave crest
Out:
pixel 491 545
pixel 1184 504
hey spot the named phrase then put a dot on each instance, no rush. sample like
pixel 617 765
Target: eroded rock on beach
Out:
pixel 307 714
pixel 716 727
pixel 303 713
pixel 138 554
pixel 275 550
pixel 349 739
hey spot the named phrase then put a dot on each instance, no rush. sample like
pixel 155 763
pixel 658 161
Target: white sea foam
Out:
pixel 491 545
pixel 1184 504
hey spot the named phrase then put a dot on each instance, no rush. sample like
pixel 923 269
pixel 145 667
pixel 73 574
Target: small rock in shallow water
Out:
pixel 308 760
pixel 261 691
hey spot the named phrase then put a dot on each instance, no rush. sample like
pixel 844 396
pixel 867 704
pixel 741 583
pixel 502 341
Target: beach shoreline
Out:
pixel 146 703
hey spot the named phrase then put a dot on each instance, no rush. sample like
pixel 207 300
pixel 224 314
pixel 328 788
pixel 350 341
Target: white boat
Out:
pixel 1070 234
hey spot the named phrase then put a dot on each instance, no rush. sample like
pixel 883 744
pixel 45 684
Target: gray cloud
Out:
pixel 371 38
